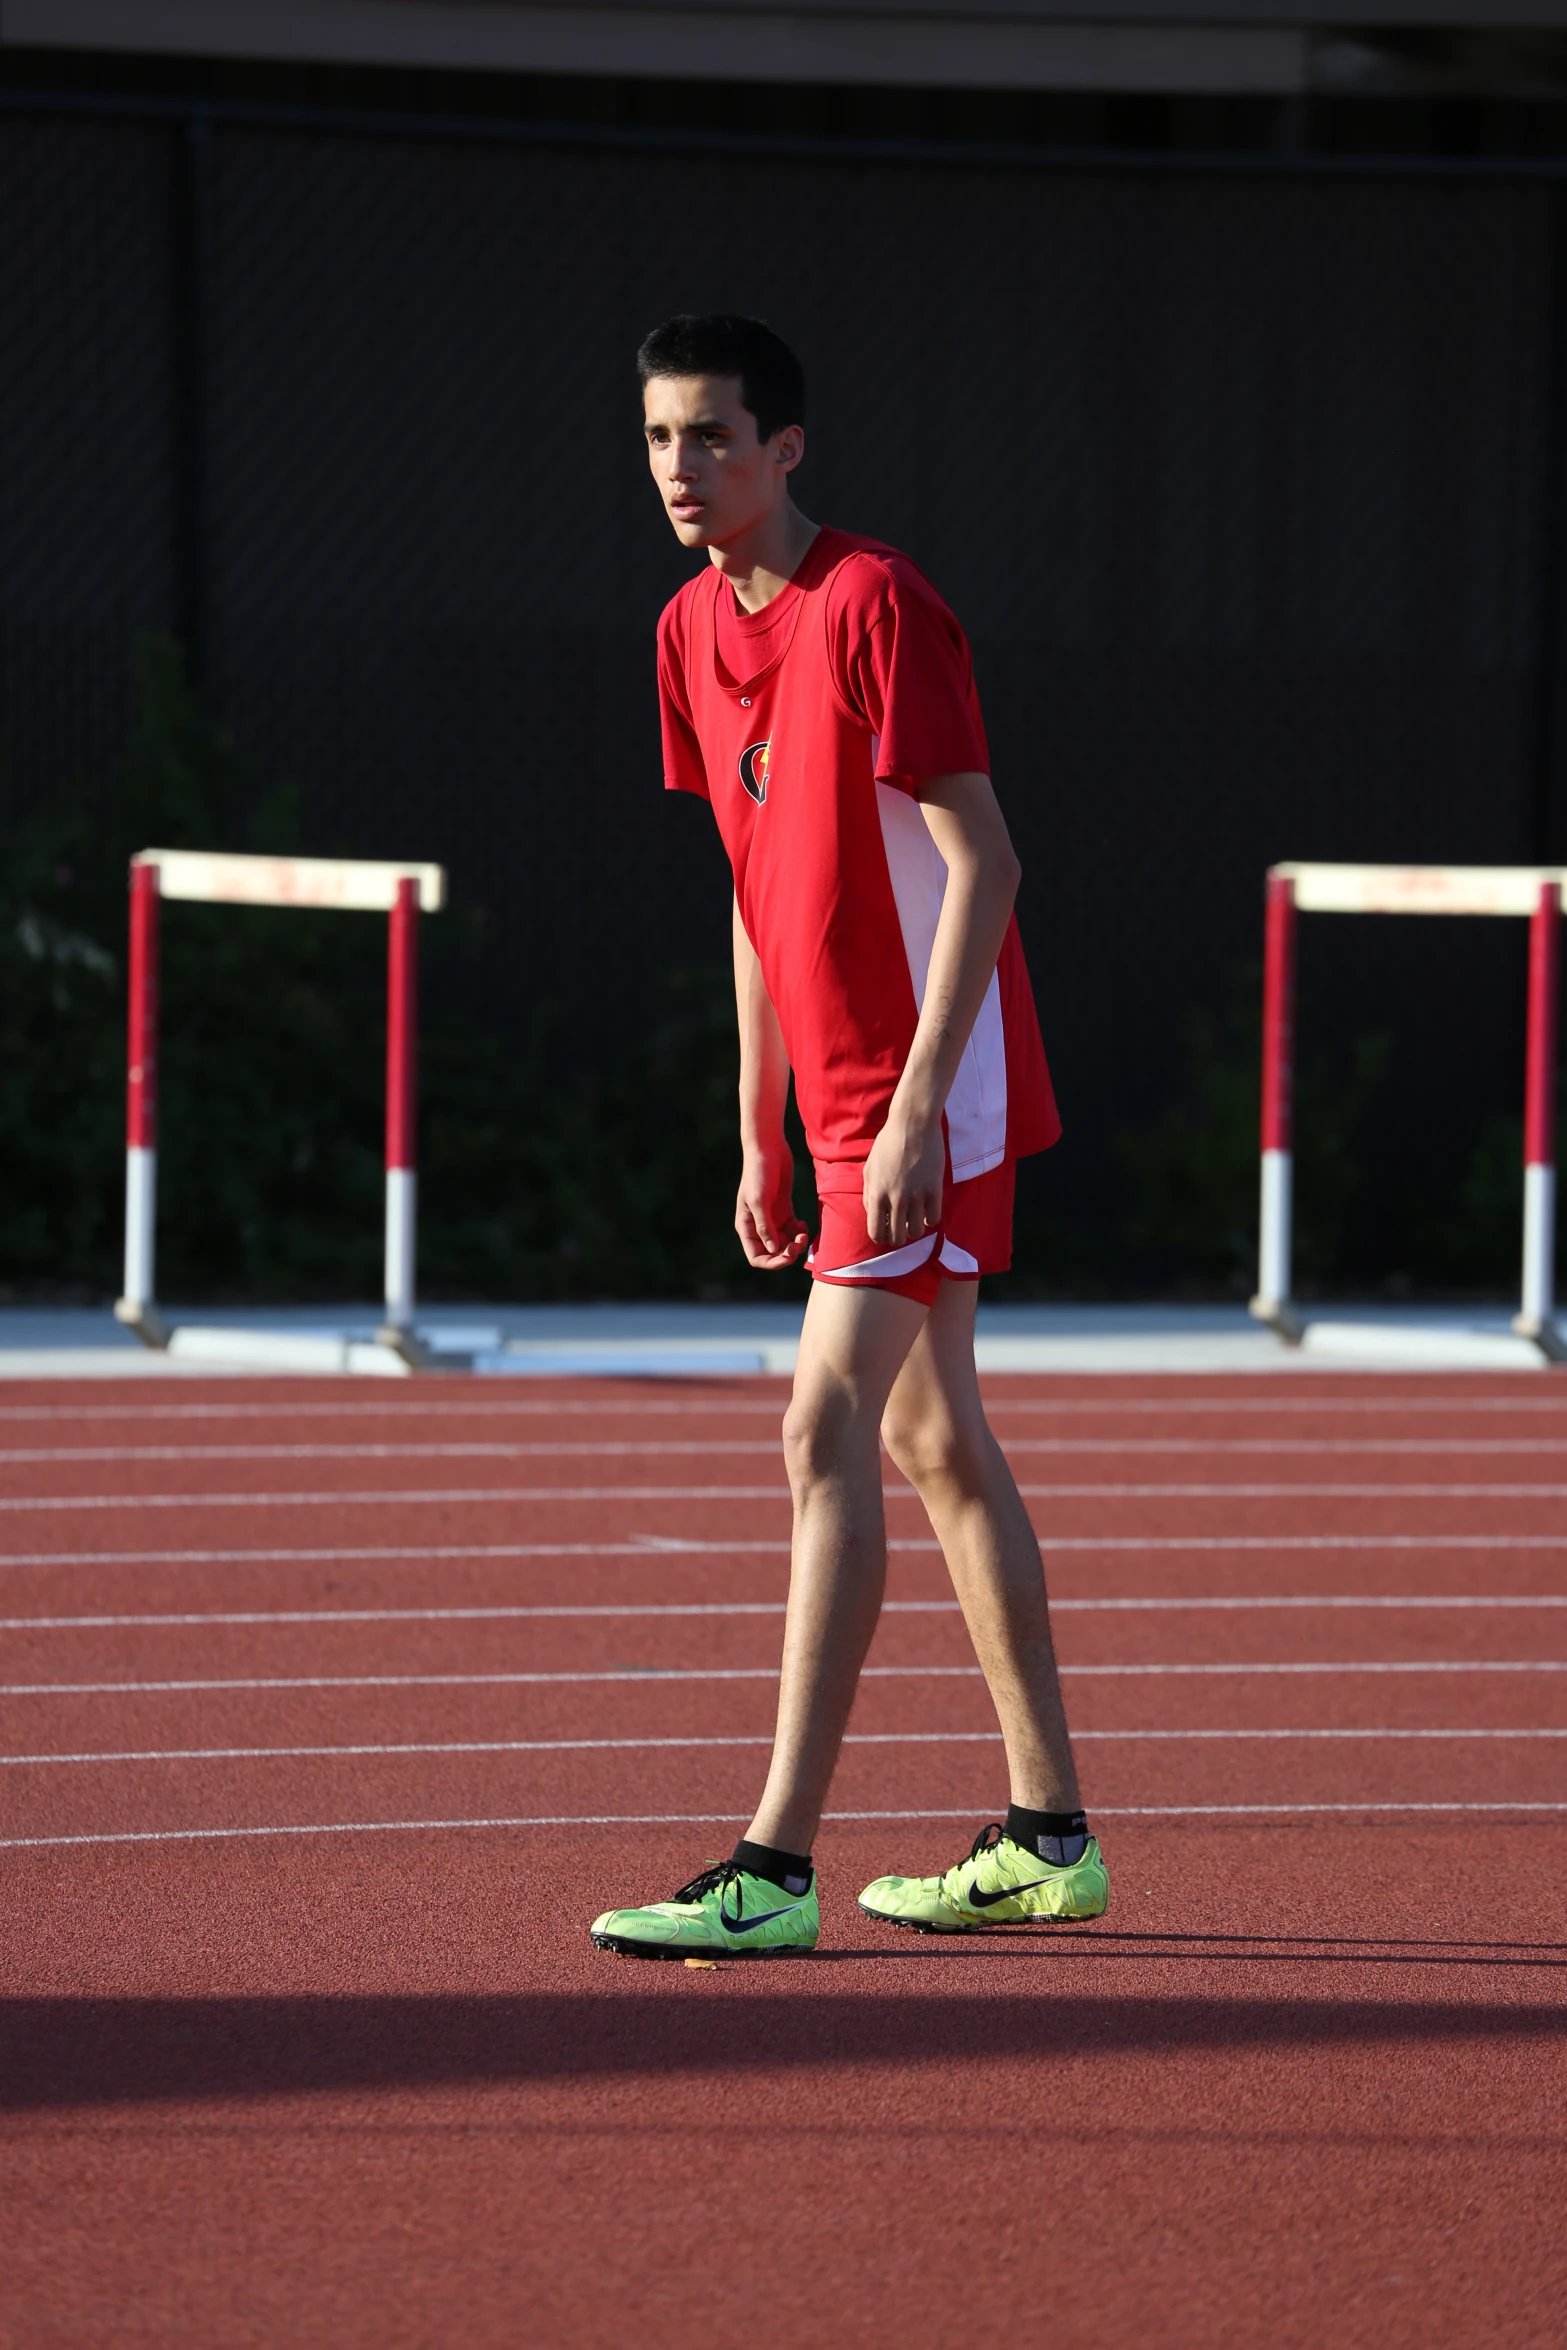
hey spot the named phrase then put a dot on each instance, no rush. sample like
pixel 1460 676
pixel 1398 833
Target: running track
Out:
pixel 332 1716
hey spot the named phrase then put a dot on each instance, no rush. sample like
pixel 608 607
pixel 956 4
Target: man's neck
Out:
pixel 760 565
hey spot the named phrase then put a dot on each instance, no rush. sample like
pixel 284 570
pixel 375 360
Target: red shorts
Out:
pixel 973 1237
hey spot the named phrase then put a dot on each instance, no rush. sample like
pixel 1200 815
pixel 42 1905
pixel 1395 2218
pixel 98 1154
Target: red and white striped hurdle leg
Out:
pixel 1536 1318
pixel 136 1305
pixel 141 1219
pixel 1272 1301
pixel 402 997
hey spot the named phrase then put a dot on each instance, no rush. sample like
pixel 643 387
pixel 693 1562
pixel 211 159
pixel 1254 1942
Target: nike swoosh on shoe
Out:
pixel 978 1900
pixel 749 1925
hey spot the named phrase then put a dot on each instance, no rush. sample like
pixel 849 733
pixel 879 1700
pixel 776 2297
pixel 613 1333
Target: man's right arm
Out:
pixel 771 1234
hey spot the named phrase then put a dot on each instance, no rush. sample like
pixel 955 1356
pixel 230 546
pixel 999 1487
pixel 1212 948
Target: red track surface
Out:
pixel 1305 2084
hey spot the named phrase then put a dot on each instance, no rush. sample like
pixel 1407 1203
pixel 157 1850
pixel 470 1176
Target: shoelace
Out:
pixel 988 1838
pixel 715 1879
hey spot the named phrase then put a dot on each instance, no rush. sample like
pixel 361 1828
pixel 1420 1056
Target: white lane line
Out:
pixel 628 1448
pixel 647 1745
pixel 460 1746
pixel 726 1405
pixel 770 1607
pixel 425 1496
pixel 639 1674
pixel 479 1746
pixel 1206 1542
pixel 688 1819
pixel 643 1675
pixel 1078 1735
pixel 651 1546
pixel 1283 1396
pixel 442 1407
pixel 640 1546
pixel 1221 1407
pixel 1306 1599
pixel 544 1449
pixel 393 1497
pixel 450 1615
pixel 1334 1447
pixel 1210 1492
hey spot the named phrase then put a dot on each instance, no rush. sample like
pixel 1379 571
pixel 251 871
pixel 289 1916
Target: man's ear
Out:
pixel 789 446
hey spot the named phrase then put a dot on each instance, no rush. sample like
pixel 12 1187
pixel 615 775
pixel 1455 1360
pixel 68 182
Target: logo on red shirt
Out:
pixel 753 770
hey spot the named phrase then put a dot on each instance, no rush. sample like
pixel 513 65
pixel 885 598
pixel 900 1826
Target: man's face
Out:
pixel 717 479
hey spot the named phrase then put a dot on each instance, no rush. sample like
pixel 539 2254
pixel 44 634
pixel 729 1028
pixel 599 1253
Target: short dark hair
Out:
pixel 772 381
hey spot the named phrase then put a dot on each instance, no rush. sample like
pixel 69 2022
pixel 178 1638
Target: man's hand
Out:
pixel 771 1234
pixel 904 1178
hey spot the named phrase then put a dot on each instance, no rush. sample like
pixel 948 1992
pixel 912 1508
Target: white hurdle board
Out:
pixel 348 885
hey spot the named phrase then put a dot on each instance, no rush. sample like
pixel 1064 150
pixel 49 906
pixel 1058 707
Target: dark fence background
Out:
pixel 1244 480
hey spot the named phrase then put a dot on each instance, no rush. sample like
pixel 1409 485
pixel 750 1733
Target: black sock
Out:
pixel 791 1870
pixel 1059 1837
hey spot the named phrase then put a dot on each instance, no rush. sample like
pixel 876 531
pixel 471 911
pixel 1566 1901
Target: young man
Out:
pixel 817 691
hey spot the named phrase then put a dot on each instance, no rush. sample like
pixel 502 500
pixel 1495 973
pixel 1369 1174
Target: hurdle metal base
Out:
pixel 1544 1333
pixel 212 1346
pixel 1280 1315
pixel 392 1353
pixel 146 1320
pixel 406 1343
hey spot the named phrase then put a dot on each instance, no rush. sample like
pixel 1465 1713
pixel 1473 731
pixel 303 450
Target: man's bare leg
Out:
pixel 852 1348
pixel 935 1429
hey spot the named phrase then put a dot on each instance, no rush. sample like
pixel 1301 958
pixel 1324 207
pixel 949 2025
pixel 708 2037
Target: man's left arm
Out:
pixel 905 1172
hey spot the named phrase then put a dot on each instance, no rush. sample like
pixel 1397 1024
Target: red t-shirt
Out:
pixel 807 726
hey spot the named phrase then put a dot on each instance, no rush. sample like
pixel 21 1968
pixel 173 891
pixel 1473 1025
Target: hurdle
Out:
pixel 342 884
pixel 1294 889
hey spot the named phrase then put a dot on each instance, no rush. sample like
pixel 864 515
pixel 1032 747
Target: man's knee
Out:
pixel 929 1443
pixel 828 1433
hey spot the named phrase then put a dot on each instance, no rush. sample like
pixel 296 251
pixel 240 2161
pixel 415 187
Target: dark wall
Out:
pixel 1239 480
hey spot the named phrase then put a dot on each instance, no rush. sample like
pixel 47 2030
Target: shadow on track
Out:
pixel 72 2052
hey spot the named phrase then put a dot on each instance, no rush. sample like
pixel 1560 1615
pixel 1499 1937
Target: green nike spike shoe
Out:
pixel 1000 1884
pixel 723 1913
